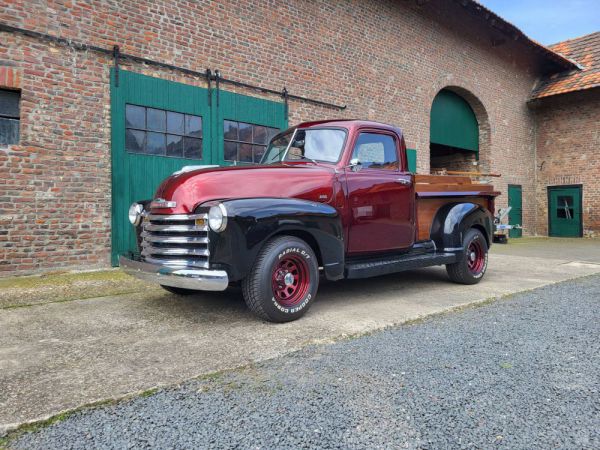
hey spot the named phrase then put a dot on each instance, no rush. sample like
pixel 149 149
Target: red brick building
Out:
pixel 87 127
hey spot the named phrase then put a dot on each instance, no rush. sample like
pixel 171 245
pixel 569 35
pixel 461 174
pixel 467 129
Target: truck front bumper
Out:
pixel 181 277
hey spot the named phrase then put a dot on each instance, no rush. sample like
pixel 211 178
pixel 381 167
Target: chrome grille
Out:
pixel 175 240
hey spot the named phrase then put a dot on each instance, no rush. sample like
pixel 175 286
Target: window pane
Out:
pixel 258 151
pixel 193 126
pixel 271 133
pixel 245 132
pixel 230 151
pixel 564 207
pixel 9 103
pixel 175 145
pixel 245 153
pixel 134 141
pixel 156 119
pixel 377 151
pixel 174 123
pixel 322 145
pixel 155 144
pixel 193 148
pixel 230 130
pixel 9 131
pixel 260 135
pixel 135 117
pixel 564 200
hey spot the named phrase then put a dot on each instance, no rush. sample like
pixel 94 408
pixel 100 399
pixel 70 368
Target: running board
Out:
pixel 386 266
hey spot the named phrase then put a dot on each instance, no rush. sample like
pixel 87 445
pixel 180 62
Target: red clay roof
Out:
pixel 585 50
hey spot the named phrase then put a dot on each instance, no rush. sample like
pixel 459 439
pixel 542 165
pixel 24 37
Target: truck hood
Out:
pixel 191 189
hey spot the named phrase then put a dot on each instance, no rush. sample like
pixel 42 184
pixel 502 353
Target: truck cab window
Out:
pixel 319 144
pixel 376 151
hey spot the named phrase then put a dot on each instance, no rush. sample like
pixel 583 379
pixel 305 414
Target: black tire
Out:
pixel 472 264
pixel 283 261
pixel 179 291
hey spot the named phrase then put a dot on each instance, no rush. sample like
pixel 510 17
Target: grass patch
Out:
pixel 18 292
pixel 72 299
pixel 62 279
pixel 213 376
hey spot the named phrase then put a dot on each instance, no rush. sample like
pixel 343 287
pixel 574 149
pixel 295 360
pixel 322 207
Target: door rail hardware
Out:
pixel 119 56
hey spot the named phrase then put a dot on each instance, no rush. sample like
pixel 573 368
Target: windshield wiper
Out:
pixel 276 158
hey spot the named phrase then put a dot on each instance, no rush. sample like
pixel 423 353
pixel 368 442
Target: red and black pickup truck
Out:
pixel 331 198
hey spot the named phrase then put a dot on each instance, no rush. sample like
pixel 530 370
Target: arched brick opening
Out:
pixel 465 161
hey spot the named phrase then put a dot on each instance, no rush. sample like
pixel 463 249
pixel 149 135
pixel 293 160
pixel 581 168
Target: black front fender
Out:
pixel 251 222
pixel 453 220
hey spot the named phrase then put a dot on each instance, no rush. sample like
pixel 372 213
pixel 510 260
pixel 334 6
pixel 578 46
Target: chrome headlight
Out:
pixel 135 213
pixel 217 217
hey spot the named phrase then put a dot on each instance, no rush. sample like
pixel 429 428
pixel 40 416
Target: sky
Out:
pixel 549 21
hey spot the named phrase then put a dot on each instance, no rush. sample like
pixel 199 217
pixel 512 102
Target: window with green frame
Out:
pixel 245 142
pixel 159 132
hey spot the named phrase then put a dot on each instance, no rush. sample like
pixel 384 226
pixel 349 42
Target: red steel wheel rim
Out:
pixel 476 257
pixel 290 280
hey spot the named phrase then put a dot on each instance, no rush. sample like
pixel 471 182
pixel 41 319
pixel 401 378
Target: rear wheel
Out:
pixel 284 280
pixel 472 263
pixel 178 291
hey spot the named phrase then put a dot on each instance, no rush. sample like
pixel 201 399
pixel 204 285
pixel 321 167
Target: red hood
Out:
pixel 191 189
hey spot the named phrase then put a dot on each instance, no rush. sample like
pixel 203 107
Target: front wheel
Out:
pixel 284 280
pixel 472 264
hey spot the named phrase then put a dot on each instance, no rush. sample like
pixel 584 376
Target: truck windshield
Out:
pixel 313 145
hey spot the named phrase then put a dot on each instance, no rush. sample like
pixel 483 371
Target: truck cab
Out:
pixel 331 199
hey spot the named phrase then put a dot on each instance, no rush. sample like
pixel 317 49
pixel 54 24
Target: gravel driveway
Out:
pixel 522 372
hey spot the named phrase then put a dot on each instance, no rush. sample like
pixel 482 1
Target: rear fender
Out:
pixel 252 222
pixel 453 220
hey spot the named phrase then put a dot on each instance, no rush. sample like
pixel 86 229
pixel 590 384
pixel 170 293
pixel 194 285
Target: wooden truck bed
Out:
pixel 433 191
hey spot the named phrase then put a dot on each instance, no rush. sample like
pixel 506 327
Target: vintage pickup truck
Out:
pixel 330 198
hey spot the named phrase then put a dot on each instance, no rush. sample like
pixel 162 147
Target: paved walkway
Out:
pixel 518 373
pixel 58 356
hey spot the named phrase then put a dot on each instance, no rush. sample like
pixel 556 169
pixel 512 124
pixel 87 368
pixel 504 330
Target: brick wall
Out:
pixel 385 59
pixel 568 152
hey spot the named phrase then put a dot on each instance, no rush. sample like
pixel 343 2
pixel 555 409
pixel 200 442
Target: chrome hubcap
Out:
pixel 288 279
pixel 472 256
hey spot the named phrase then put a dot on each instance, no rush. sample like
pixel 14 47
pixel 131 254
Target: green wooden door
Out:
pixel 515 217
pixel 244 116
pixel 411 156
pixel 159 126
pixel 564 211
pixel 152 121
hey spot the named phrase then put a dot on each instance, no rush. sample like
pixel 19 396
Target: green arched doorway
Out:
pixel 454 134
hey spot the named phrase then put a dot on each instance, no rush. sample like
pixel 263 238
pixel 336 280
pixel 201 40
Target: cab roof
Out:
pixel 350 124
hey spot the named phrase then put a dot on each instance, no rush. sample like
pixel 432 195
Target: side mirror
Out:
pixel 355 165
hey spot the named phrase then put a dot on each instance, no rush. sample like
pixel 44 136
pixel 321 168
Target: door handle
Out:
pixel 404 181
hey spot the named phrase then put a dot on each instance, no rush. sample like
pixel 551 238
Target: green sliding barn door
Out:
pixel 564 211
pixel 515 217
pixel 159 126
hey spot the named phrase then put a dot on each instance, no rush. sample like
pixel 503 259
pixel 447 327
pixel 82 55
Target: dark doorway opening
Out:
pixel 451 158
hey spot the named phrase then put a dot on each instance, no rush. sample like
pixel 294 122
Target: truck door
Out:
pixel 380 196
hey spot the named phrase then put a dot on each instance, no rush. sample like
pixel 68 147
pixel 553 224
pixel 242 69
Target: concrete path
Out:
pixel 58 356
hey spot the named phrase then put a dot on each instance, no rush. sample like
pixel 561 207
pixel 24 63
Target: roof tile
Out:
pixel 586 51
